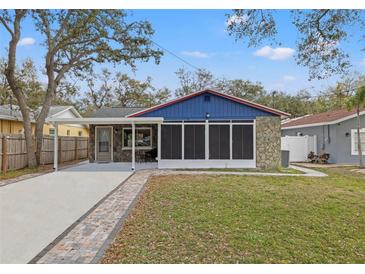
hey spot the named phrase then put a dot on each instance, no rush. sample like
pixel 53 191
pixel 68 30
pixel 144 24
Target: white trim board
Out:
pixel 194 164
pixel 105 121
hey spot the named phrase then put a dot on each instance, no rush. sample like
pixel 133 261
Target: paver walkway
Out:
pixel 87 241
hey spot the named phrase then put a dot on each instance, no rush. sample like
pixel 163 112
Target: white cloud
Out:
pixel 235 19
pixel 275 53
pixel 26 41
pixel 363 62
pixel 196 54
pixel 289 78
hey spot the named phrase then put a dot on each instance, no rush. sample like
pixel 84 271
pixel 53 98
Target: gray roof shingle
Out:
pixel 114 112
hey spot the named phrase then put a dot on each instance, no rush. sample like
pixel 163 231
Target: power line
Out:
pixel 176 56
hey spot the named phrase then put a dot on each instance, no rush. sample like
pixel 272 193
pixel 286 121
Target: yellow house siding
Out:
pixel 63 130
pixel 16 127
pixel 12 127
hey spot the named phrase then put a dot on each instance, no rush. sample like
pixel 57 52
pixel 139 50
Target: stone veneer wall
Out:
pixel 120 154
pixel 268 142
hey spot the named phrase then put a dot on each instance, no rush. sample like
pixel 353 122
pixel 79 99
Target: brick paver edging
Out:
pixel 87 240
pixel 118 226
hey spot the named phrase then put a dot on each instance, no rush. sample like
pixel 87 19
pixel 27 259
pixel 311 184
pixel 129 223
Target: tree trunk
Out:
pixel 40 122
pixel 17 91
pixel 361 161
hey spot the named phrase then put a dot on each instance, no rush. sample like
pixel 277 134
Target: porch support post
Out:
pixel 158 142
pixel 133 146
pixel 55 148
pixel 182 140
pixel 206 140
pixel 230 140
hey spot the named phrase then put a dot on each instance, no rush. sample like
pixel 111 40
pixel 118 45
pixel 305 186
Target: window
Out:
pixel 219 142
pixel 194 142
pixel 68 132
pixel 143 138
pixel 171 141
pixel 242 142
pixel 51 132
pixel 80 133
pixel 354 141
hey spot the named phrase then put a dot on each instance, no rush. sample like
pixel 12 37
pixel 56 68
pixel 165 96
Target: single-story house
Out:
pixel 335 131
pixel 11 121
pixel 206 129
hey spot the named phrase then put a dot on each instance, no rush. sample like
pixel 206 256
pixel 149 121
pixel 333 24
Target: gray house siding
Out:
pixel 332 139
pixel 344 144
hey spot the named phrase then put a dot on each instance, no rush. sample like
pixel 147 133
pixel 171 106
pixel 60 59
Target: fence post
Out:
pixel 76 149
pixel 60 150
pixel 87 148
pixel 5 154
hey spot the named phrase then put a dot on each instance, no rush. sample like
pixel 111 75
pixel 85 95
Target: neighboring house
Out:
pixel 335 132
pixel 11 121
pixel 206 129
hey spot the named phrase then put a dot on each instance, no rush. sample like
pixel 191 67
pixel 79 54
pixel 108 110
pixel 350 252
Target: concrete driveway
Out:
pixel 35 211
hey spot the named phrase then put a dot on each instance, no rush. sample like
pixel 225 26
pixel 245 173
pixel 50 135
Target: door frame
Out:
pixel 111 140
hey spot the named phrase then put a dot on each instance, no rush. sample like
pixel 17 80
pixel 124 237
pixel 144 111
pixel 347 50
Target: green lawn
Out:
pixel 20 172
pixel 272 170
pixel 246 219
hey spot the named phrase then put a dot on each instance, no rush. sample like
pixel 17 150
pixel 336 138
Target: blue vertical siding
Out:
pixel 195 108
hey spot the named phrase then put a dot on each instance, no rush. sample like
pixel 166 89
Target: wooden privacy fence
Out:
pixel 13 153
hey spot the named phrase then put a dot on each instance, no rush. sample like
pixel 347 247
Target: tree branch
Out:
pixel 6 26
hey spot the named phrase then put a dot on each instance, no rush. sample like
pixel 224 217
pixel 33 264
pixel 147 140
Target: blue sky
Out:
pixel 200 38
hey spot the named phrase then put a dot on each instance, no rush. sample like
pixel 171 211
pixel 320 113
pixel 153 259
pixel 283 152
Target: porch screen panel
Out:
pixel 171 142
pixel 242 142
pixel 219 142
pixel 194 142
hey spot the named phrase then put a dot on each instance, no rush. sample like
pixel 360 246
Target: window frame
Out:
pixel 49 131
pixel 353 146
pixel 135 146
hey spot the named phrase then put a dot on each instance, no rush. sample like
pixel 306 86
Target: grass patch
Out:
pixel 235 219
pixel 271 170
pixel 43 168
pixel 20 172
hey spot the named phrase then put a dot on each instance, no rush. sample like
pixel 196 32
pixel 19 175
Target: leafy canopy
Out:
pixel 320 35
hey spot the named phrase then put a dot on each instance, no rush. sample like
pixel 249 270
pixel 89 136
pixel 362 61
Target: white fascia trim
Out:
pixel 325 123
pixel 73 110
pixel 105 121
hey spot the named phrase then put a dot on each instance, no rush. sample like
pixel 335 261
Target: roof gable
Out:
pixel 324 118
pixel 219 106
pixel 13 113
